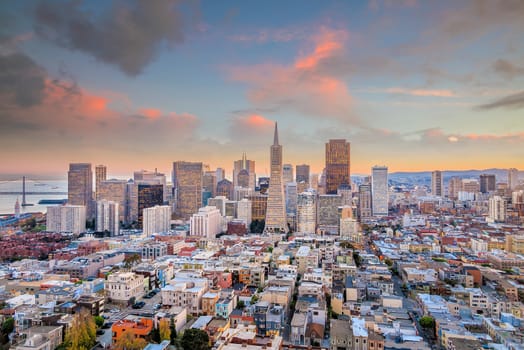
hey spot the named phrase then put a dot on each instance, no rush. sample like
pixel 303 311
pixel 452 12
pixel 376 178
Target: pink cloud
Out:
pixel 152 113
pixel 421 92
pixel 303 86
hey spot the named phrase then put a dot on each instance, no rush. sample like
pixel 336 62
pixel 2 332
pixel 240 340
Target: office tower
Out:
pixel 306 212
pixel 153 178
pixel 80 187
pixel 287 173
pixel 364 201
pixel 242 192
pixel 131 202
pixel 218 202
pixel 209 182
pixel 187 184
pixel 346 193
pixel 100 175
pixel 148 195
pixel 291 197
pixel 243 179
pixel 337 165
pixel 437 183
pixel 66 219
pixel 513 178
pixel 327 213
pixel 263 184
pixel 470 185
pixel 231 208
pixel 276 209
pixel 454 187
pixel 157 219
pixel 487 183
pixel 207 222
pixel 221 174
pixel 107 217
pixel 313 182
pixel 249 167
pixel 115 191
pixel 302 173
pixel 517 201
pixel 497 209
pixel 258 206
pixel 244 211
pixel 379 190
pixel 225 188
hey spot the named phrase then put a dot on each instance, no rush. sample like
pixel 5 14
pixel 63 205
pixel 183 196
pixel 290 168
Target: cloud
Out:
pixel 507 69
pixel 305 86
pixel 421 92
pixel 129 35
pixel 276 35
pixel 22 81
pixel 515 101
pixel 251 128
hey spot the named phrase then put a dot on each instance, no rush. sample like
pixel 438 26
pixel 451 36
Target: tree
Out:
pixel 173 334
pixel 241 305
pixel 195 339
pixel 164 330
pixel 99 321
pixel 7 327
pixel 427 322
pixel 82 333
pixel 128 341
pixel 131 260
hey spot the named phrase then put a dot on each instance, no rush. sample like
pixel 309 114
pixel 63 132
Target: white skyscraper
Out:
pixel 306 212
pixel 107 217
pixel 244 211
pixel 497 209
pixel 291 197
pixel 276 209
pixel 437 183
pixel 206 223
pixel 156 219
pixel 287 173
pixel 379 190
pixel 66 219
pixel 513 178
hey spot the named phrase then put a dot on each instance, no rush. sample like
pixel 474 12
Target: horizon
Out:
pixel 412 85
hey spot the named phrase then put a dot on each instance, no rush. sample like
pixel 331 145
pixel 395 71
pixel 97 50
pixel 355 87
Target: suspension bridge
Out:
pixel 47 189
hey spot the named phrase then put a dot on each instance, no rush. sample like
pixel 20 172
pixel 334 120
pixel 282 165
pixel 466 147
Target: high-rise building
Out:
pixel 66 219
pixel 306 212
pixel 291 197
pixel 287 173
pixel 437 183
pixel 497 209
pixel 328 217
pixel 454 187
pixel 249 167
pixel 276 209
pixel 243 179
pixel 221 174
pixel 225 188
pixel 302 173
pixel 364 201
pixel 209 182
pixel 207 222
pixel 100 175
pixel 337 165
pixel 115 191
pixel 187 184
pixel 487 183
pixel 242 192
pixel 80 187
pixel 244 211
pixel 470 185
pixel 379 190
pixel 218 202
pixel 513 178
pixel 258 206
pixel 107 217
pixel 153 178
pixel 157 219
pixel 148 195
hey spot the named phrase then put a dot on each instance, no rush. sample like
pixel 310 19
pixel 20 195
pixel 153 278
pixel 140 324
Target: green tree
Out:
pixel 82 333
pixel 7 327
pixel 131 260
pixel 173 334
pixel 195 339
pixel 241 305
pixel 427 322
pixel 99 321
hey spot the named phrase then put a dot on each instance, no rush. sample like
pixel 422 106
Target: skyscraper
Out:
pixel 364 201
pixel 306 212
pixel 454 187
pixel 157 219
pixel 497 209
pixel 287 173
pixel 100 175
pixel 437 183
pixel 302 173
pixel 107 217
pixel 337 165
pixel 116 191
pixel 276 208
pixel 487 183
pixel 66 218
pixel 187 184
pixel 379 190
pixel 249 167
pixel 80 187
pixel 149 195
pixel 513 178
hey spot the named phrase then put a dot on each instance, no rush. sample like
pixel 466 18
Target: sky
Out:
pixel 414 85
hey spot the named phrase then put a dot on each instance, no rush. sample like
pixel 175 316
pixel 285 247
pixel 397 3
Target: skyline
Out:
pixel 411 85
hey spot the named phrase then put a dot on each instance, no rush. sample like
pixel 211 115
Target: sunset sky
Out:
pixel 414 85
